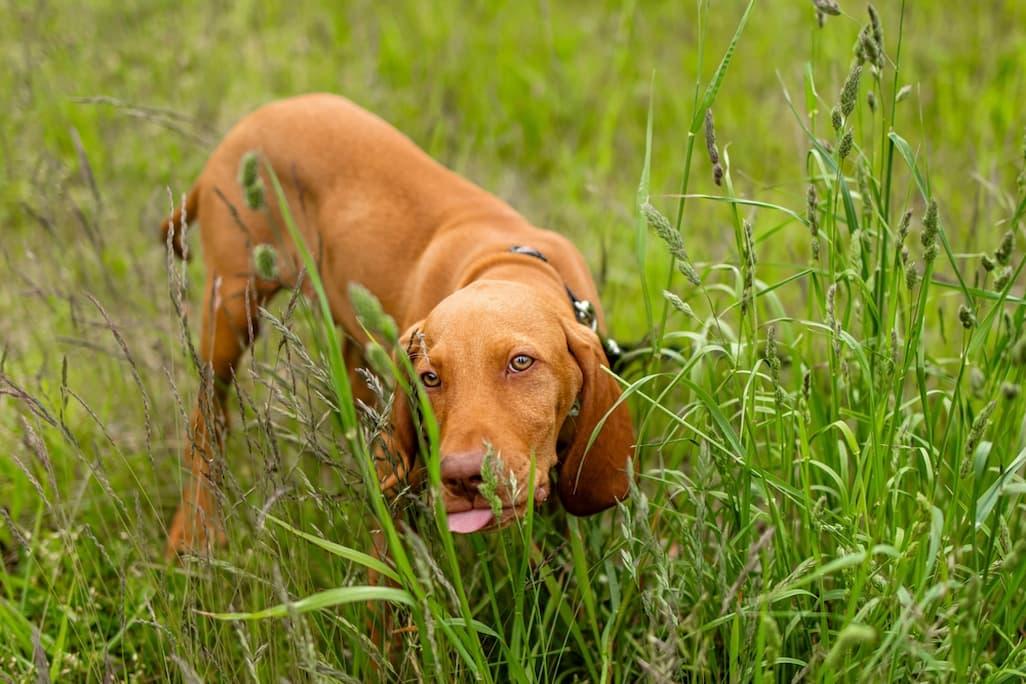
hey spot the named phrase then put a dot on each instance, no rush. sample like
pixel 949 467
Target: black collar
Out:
pixel 584 311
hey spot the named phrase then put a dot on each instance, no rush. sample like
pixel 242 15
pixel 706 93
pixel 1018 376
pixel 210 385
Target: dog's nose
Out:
pixel 462 472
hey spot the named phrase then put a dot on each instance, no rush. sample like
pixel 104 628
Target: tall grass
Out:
pixel 830 422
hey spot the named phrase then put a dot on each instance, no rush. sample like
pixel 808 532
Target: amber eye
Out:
pixel 430 379
pixel 520 363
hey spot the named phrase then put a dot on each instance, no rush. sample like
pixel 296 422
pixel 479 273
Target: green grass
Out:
pixel 830 465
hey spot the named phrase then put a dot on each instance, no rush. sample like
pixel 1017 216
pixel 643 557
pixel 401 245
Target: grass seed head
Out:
pixel 773 360
pixel 850 91
pixel 370 313
pixel 688 271
pixel 894 350
pixel 812 212
pixel 750 259
pixel 679 304
pixel 250 180
pixel 491 472
pixel 860 48
pixel 1004 251
pixel 831 318
pixel 661 225
pixel 378 360
pixel 867 49
pixel 710 146
pixel 710 137
pixel 831 297
pixel 979 427
pixel 930 223
pixel 903 226
pixel 249 168
pixel 877 32
pixel 966 317
pixel 1003 277
pixel 827 7
pixel 988 263
pixel 871 101
pixel 836 119
pixel 254 195
pixel 911 276
pixel 931 228
pixel 265 261
pixel 844 147
pixel 772 357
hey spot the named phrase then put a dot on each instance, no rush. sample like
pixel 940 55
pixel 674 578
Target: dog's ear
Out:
pixel 591 479
pixel 401 442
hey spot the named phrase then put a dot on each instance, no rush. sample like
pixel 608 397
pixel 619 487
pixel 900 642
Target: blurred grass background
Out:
pixel 106 106
pixel 543 103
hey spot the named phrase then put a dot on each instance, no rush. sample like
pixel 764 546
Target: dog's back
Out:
pixel 367 200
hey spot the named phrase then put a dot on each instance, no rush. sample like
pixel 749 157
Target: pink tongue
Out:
pixel 469 521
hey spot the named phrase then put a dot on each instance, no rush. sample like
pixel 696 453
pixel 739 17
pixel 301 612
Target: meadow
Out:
pixel 809 227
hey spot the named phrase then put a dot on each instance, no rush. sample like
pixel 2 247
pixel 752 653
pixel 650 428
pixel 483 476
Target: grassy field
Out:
pixel 831 433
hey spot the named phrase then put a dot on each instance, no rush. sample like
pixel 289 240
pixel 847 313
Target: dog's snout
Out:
pixel 462 472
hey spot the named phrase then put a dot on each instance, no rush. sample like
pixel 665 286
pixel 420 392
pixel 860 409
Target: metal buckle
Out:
pixel 613 350
pixel 584 311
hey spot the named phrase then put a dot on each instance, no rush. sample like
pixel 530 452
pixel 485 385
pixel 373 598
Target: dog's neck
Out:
pixel 519 268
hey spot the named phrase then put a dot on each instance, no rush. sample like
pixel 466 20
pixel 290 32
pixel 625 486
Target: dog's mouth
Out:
pixel 477 519
pixel 464 520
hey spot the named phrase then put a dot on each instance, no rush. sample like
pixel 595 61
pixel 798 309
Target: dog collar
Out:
pixel 584 310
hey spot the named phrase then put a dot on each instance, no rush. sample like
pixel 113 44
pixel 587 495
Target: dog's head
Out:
pixel 513 377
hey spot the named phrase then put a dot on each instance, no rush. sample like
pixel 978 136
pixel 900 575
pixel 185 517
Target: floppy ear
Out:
pixel 395 461
pixel 593 479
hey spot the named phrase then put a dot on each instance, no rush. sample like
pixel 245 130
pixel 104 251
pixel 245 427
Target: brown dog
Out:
pixel 512 361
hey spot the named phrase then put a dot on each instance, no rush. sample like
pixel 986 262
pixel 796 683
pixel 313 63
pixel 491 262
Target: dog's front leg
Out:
pixel 229 327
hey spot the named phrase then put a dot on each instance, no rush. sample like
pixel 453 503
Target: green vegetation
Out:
pixel 829 400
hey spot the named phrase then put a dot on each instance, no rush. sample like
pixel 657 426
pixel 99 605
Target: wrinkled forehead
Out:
pixel 489 312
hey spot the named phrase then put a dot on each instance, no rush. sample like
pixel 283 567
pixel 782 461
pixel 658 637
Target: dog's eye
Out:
pixel 430 379
pixel 520 363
